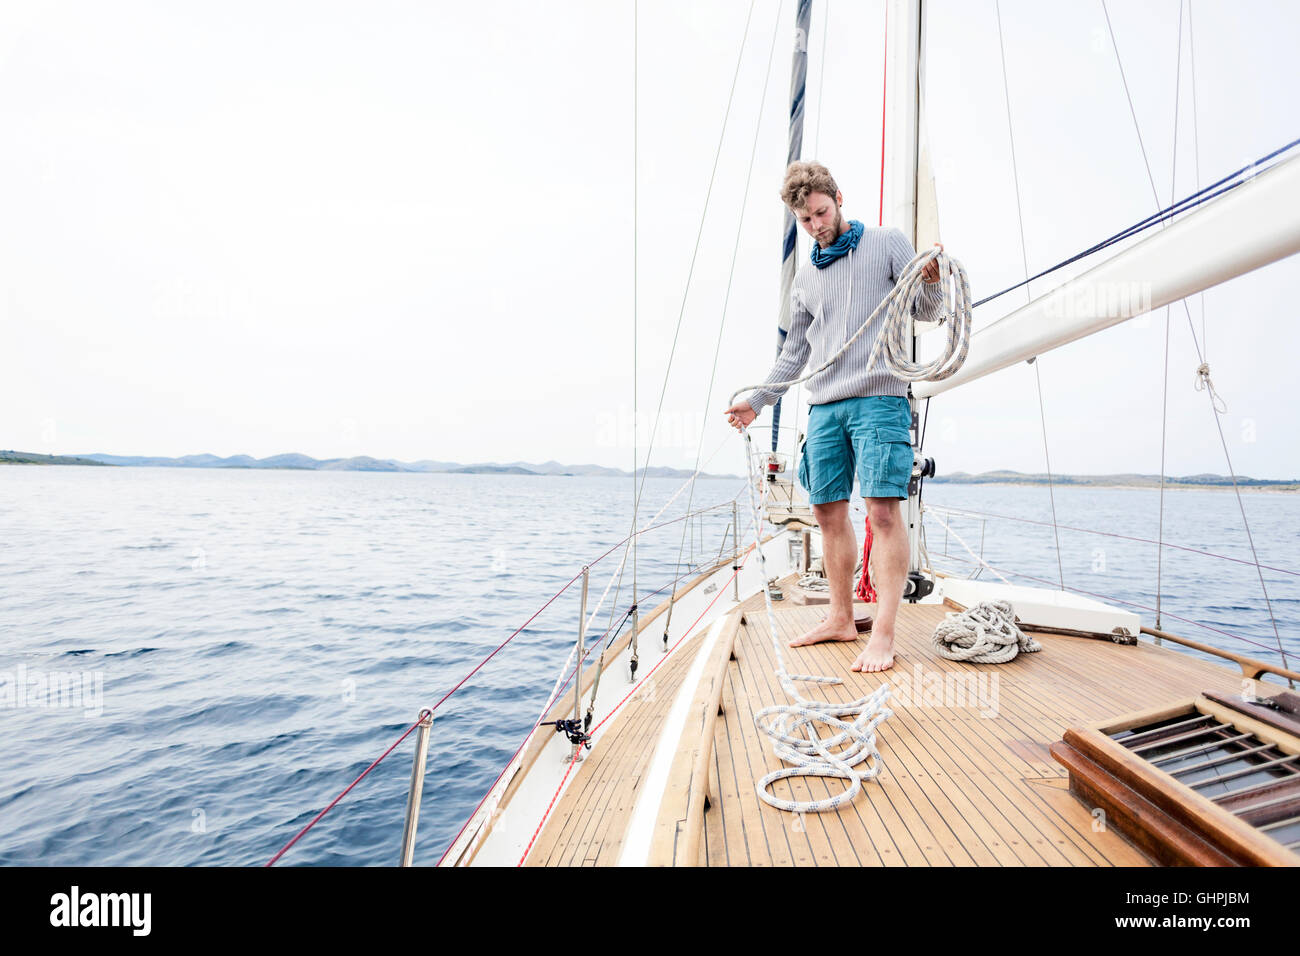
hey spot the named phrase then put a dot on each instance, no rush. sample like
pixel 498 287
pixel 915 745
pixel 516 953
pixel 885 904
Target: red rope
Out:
pixel 518 750
pixel 883 83
pixel 865 591
pixel 418 720
pixel 556 796
pixel 615 709
pixel 527 737
pixel 458 686
pixel 476 669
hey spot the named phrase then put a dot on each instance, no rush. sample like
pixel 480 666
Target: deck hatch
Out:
pixel 1209 781
pixel 1251 778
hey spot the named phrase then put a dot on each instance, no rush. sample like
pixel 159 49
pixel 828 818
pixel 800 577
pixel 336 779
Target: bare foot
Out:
pixel 862 622
pixel 878 654
pixel 826 631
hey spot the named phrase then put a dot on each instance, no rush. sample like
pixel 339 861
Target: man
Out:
pixel 859 418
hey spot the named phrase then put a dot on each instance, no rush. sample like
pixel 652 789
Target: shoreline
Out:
pixel 1284 489
pixel 1063 481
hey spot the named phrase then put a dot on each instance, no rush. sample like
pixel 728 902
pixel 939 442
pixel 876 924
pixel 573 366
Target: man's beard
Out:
pixel 836 229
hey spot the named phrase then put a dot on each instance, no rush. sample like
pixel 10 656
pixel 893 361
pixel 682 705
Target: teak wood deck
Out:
pixel 958 788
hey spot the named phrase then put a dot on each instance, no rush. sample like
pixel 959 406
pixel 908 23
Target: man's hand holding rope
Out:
pixel 741 415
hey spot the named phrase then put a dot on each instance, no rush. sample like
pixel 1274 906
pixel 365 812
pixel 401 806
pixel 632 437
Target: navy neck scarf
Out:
pixel 847 240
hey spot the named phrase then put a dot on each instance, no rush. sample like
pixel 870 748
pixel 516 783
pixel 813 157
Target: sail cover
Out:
pixel 798 85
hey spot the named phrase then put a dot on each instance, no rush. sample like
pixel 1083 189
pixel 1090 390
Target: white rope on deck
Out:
pixel 793 727
pixel 983 634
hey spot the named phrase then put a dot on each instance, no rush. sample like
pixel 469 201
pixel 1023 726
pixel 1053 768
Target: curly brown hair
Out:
pixel 802 178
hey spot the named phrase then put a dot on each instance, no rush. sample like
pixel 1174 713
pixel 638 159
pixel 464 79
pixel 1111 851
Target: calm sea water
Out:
pixel 231 648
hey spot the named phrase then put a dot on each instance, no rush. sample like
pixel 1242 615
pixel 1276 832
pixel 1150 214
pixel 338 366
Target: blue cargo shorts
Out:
pixel 869 435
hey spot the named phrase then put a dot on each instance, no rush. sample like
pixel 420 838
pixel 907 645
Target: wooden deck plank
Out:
pixel 757 845
pixel 1111 847
pixel 865 845
pixel 606 791
pixel 601 795
pixel 977 746
pixel 816 828
pixel 757 760
pixel 668 679
pixel 680 817
pixel 882 813
pixel 957 788
pixel 954 741
pixel 957 844
pixel 1012 836
pixel 724 816
pixel 758 650
pixel 714 787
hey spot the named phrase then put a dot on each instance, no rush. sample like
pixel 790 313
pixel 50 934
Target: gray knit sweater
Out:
pixel 819 326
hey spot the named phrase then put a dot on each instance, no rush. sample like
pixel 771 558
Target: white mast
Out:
pixel 904 62
pixel 902 109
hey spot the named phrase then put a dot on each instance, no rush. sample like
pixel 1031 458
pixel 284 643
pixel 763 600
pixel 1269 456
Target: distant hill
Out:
pixel 31 458
pixel 1127 480
pixel 299 462
pixel 492 470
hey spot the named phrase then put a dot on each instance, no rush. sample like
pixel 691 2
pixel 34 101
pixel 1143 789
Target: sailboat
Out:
pixel 1109 747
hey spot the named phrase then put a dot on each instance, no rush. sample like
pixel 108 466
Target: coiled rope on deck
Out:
pixel 985 633
pixel 793 727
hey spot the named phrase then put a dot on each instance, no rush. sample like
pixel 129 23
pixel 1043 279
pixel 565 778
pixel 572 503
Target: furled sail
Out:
pixel 789 240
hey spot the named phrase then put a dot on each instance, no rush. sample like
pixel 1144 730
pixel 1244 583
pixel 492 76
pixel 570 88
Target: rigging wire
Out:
pixel 1115 600
pixel 1196 149
pixel 699 232
pixel 1164 394
pixel 1203 370
pixel 1024 259
pixel 615 709
pixel 1113 534
pixel 1234 179
pixel 821 79
pixel 600 663
pixel 636 232
pixel 726 299
pixel 1051 492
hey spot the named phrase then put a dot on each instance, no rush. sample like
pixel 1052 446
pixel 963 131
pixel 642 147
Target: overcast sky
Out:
pixel 406 229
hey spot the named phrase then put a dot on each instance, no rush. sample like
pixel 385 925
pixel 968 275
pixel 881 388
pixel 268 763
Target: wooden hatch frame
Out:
pixel 1166 819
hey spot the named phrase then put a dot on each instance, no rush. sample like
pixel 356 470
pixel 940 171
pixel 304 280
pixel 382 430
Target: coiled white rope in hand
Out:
pixel 792 727
pixel 893 337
